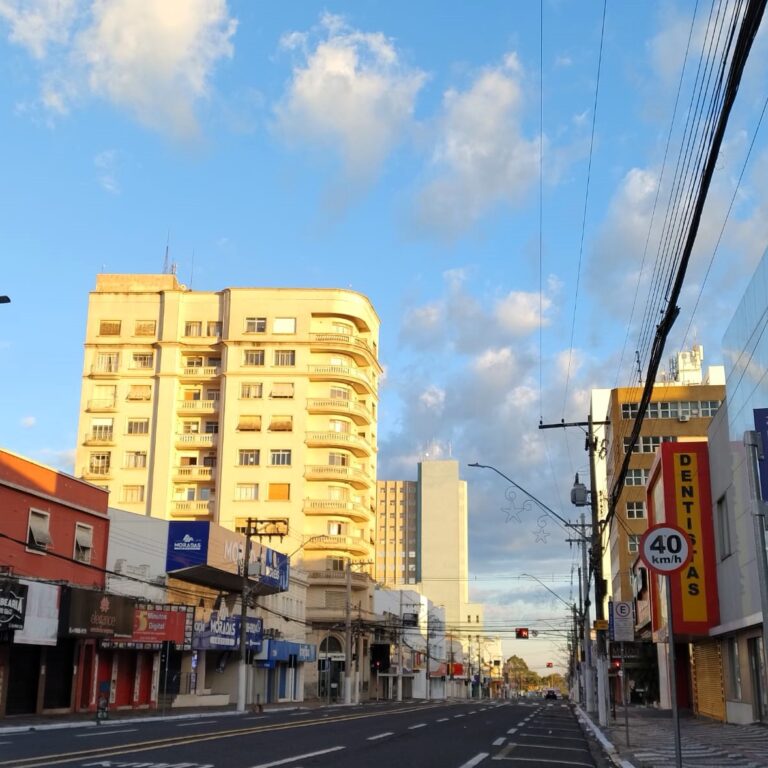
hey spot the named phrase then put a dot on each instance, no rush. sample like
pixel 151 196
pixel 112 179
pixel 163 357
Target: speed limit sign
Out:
pixel 665 548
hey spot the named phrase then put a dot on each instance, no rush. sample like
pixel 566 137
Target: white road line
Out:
pixel 473 712
pixel 521 724
pixel 196 722
pixel 380 735
pixel 418 725
pixel 439 720
pixel 512 730
pixel 458 715
pixel 293 759
pixel 256 717
pixel 475 760
pixel 99 732
pixel 498 742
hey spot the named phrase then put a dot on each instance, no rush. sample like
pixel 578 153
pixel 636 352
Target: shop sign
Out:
pixel 187 544
pixel 223 633
pixel 156 624
pixel 95 614
pixel 13 605
pixel 41 624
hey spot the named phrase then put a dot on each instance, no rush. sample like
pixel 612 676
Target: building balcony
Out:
pixel 196 440
pixel 337 579
pixel 105 371
pixel 96 474
pixel 343 342
pixel 193 508
pixel 338 406
pixel 352 544
pixel 355 444
pixel 99 437
pixel 101 406
pixel 357 377
pixel 200 372
pixel 332 507
pixel 197 406
pixel 192 474
pixel 332 472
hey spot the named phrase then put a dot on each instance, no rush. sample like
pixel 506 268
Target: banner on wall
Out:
pixel 87 613
pixel 13 605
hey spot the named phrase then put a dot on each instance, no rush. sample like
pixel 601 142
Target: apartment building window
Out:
pixel 253 357
pixel 101 429
pixel 103 396
pixel 709 407
pixel 635 510
pixel 629 410
pixel 284 325
pixel 135 459
pixel 339 425
pixel 338 494
pixel 38 530
pixel 209 460
pixel 214 362
pixel 336 528
pixel 636 477
pixel 192 395
pixel 248 457
pixel 138 426
pixel 335 563
pixel 251 390
pixel 83 543
pixel 190 427
pixel 98 463
pixel 107 362
pixel 213 328
pixel 336 459
pixel 142 360
pixel 213 394
pixel 193 328
pixel 280 457
pixel 206 493
pixel 133 494
pixel 211 428
pixel 249 423
pixel 246 492
pixel 340 393
pixel 139 392
pixel 144 328
pixel 633 543
pixel 281 424
pixel 285 357
pixel 279 491
pixel 282 389
pixel 723 528
pixel 109 328
pixel 255 324
pixel 193 361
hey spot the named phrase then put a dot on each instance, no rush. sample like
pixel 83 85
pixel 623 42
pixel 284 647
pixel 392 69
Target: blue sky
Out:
pixel 392 148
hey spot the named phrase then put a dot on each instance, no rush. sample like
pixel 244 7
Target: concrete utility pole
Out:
pixel 348 639
pixel 242 671
pixel 400 633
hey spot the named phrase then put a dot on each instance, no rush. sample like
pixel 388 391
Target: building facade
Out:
pixel 241 403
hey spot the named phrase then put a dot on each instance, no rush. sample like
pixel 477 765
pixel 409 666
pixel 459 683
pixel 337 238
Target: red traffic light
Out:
pixel 521 633
pixel 616 663
pixel 550 665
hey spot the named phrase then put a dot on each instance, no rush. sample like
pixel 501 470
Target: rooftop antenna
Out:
pixel 166 263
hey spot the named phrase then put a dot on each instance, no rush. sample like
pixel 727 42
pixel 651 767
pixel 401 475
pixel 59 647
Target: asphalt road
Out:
pixel 528 734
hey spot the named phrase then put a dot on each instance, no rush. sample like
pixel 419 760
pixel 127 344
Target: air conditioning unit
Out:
pixel 683 418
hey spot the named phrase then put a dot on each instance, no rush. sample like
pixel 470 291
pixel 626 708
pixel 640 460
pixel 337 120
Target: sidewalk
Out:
pixel 705 743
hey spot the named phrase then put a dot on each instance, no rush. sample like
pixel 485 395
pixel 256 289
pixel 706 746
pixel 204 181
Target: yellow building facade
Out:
pixel 244 402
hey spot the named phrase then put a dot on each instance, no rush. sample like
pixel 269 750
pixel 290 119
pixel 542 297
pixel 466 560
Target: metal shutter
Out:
pixel 708 693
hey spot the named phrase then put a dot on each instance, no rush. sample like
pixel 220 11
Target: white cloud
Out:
pixel 481 158
pixel 563 61
pixel 106 166
pixel 156 64
pixel 433 398
pixel 351 92
pixel 518 312
pixel 28 421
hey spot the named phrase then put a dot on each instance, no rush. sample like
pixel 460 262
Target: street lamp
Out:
pixel 5 299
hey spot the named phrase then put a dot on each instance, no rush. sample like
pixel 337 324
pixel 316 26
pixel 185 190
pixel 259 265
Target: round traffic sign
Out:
pixel 623 610
pixel 665 548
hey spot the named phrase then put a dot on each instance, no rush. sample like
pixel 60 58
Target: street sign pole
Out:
pixel 666 549
pixel 624 695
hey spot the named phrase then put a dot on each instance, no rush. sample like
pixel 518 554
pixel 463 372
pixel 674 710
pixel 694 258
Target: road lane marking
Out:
pixel 512 730
pixel 458 715
pixel 256 717
pixel 418 725
pixel 293 759
pixel 99 732
pixel 439 720
pixel 195 722
pixel 380 735
pixel 475 760
pixel 521 724
pixel 498 742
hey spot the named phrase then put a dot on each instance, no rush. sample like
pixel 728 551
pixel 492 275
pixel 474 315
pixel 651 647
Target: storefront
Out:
pixel 281 669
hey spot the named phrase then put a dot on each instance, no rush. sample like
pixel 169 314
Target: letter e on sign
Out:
pixel 665 549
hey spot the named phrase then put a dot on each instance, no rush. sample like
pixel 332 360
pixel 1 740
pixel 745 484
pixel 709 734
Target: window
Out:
pixel 249 423
pixel 139 392
pixel 255 324
pixel 251 391
pixel 38 531
pixel 246 492
pixel 193 361
pixel 109 328
pixel 107 362
pixel 213 394
pixel 191 395
pixel 142 360
pixel 138 426
pixel 248 457
pixel 723 527
pixel 635 510
pixel 101 429
pixel 338 459
pixel 629 410
pixel 282 389
pixel 709 407
pixel 253 357
pixel 83 543
pixel 214 362
pixel 633 543
pixel 637 477
pixel 734 669
pixel 209 460
pixel 280 457
pixel 135 459
pixel 285 357
pixel 284 325
pixel 281 424
pixel 211 428
pixel 193 328
pixel 335 563
pixel 279 491
pixel 213 328
pixel 335 528
pixel 98 463
pixel 339 425
pixel 190 427
pixel 206 493
pixel 342 328
pixel 133 494
pixel 144 328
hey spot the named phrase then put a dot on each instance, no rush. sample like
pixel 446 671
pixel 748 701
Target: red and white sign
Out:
pixel 665 549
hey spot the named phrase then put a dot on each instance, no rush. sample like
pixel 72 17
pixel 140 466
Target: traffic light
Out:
pixel 521 633
pixel 550 665
pixel 616 663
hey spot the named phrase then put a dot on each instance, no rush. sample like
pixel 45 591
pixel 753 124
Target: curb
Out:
pixel 607 746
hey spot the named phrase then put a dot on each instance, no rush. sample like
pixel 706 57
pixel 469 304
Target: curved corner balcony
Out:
pixel 352 544
pixel 332 472
pixel 330 578
pixel 351 510
pixel 356 445
pixel 344 342
pixel 346 374
pixel 340 406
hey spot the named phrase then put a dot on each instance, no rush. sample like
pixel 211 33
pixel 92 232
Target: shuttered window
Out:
pixel 279 491
pixel 249 423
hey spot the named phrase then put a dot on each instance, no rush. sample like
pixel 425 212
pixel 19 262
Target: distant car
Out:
pixel 550 694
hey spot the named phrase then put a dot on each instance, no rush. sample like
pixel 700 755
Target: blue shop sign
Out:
pixel 761 426
pixel 282 650
pixel 187 544
pixel 223 633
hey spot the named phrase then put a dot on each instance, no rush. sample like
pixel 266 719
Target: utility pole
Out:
pixel 400 632
pixel 348 638
pixel 242 672
pixel 427 675
pixel 358 666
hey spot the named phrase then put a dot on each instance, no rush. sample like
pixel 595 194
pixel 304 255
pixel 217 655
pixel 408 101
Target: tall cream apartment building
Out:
pixel 422 541
pixel 244 402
